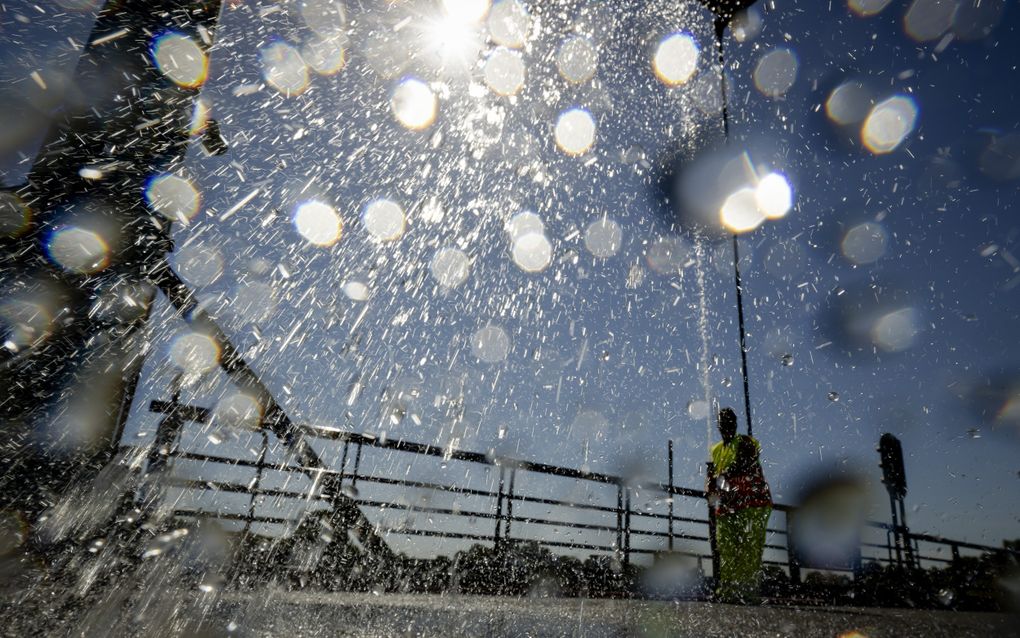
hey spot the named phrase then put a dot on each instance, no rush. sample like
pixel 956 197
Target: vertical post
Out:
pixel 956 552
pixel 626 532
pixel 713 543
pixel 357 466
pixel 499 509
pixel 343 462
pixel 897 536
pixel 510 504
pixel 258 482
pixel 670 497
pixel 619 516
pixel 791 551
pixel 743 333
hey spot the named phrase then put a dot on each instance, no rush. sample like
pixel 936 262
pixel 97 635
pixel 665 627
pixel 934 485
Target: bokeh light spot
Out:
pixel 357 290
pixel 676 59
pixel 450 267
pixel 577 59
pixel 180 59
pixel 325 56
pixel 867 8
pixel 888 124
pixel 575 131
pixel 864 243
pixel 78 250
pixel 318 223
pixel 490 344
pixel 173 196
pixel 897 330
pixel 603 238
pixel 509 23
pixel 523 223
pixel 740 212
pixel 238 410
pixel 384 220
pixel 776 72
pixel 414 104
pixel 848 103
pixel 928 19
pixel 198 264
pixel 532 252
pixel 284 69
pixel 194 353
pixel 774 196
pixel 504 71
pixel 15 215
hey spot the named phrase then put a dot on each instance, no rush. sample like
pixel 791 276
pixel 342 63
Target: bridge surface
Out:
pixel 320 615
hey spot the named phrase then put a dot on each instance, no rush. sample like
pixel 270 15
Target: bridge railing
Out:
pixel 624 529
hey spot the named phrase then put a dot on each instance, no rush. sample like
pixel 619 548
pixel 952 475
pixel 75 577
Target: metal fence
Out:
pixel 623 529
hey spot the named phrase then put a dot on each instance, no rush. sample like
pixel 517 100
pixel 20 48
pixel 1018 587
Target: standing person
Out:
pixel 743 502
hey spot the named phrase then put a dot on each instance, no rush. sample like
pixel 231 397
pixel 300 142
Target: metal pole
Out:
pixel 720 27
pixel 713 543
pixel 499 509
pixel 743 335
pixel 791 552
pixel 670 495
pixel 357 465
pixel 510 504
pixel 619 516
pixel 626 531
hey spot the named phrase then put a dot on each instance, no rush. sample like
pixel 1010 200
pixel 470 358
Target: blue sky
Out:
pixel 608 357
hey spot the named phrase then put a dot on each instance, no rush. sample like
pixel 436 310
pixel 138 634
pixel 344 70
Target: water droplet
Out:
pixel 787 360
pixel 834 396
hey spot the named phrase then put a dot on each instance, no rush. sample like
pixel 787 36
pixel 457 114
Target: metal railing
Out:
pixel 667 528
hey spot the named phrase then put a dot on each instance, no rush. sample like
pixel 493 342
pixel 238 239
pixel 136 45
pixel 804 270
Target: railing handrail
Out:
pixel 493 460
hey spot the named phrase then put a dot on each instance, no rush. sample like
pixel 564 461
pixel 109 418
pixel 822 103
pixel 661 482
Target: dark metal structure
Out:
pixel 124 122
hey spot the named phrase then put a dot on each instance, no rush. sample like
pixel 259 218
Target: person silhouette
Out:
pixel 742 502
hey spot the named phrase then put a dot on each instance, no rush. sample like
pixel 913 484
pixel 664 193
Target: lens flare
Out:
pixel 849 103
pixel 180 59
pixel 867 8
pixel 325 56
pixel 740 212
pixel 414 104
pixel 284 69
pixel 888 124
pixel 194 353
pixel 532 252
pixel 774 196
pixel 523 223
pixel 490 344
pixel 676 59
pixel 864 243
pixel 318 223
pixel 466 10
pixel 173 196
pixel 577 59
pixel 929 19
pixel 504 71
pixel 238 410
pixel 776 72
pixel 15 215
pixel 384 220
pixel 509 23
pixel 603 238
pixel 78 249
pixel 450 267
pixel 575 131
